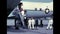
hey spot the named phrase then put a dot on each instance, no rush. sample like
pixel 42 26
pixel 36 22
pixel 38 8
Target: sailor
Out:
pixel 31 21
pixel 36 23
pixel 25 19
pixel 19 13
pixel 50 24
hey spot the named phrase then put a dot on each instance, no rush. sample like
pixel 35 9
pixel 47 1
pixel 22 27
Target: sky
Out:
pixel 43 1
pixel 32 4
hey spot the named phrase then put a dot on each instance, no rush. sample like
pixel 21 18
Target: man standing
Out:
pixel 18 14
pixel 31 21
pixel 50 24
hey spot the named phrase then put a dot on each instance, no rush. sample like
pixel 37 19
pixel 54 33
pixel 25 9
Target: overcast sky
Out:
pixel 28 3
pixel 38 0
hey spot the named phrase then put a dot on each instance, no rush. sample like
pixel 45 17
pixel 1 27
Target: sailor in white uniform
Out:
pixel 50 24
pixel 31 21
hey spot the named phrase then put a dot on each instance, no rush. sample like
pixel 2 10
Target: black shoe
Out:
pixel 32 29
pixel 17 28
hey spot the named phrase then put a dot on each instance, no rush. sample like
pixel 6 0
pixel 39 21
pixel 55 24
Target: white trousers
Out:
pixel 50 24
pixel 22 12
pixel 31 22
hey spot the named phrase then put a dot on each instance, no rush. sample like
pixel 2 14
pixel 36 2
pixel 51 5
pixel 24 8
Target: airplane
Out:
pixel 36 14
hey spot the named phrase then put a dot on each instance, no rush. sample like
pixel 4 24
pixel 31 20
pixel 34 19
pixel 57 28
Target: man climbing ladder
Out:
pixel 19 13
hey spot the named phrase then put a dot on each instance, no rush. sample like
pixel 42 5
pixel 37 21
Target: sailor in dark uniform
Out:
pixel 31 23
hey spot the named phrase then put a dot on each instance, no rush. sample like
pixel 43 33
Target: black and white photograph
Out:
pixel 30 17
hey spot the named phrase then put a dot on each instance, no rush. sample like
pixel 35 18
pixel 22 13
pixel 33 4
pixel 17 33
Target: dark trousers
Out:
pixel 36 23
pixel 26 23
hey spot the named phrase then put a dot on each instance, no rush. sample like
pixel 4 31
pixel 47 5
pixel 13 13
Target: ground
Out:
pixel 39 30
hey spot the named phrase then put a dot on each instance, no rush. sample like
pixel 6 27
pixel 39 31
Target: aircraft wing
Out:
pixel 38 14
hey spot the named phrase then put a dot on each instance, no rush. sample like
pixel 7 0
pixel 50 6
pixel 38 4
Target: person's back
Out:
pixel 29 21
pixel 33 21
pixel 18 14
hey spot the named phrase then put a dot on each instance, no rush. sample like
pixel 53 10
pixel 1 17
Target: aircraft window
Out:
pixel 47 11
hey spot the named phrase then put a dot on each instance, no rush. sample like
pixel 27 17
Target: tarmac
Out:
pixel 39 30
